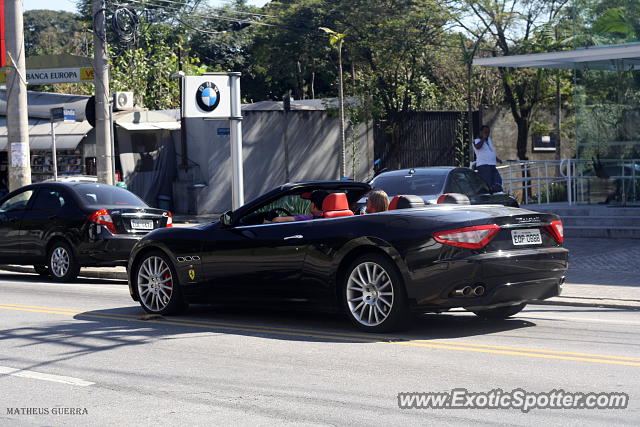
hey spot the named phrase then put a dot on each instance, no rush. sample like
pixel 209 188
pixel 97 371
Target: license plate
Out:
pixel 142 224
pixel 526 237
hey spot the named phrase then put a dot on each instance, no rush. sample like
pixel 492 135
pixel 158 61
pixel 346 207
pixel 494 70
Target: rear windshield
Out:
pixel 419 185
pixel 99 194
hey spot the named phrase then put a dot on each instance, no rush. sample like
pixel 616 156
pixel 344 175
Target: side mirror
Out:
pixel 226 219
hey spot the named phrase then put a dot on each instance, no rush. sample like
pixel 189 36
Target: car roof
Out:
pixel 431 170
pixel 324 184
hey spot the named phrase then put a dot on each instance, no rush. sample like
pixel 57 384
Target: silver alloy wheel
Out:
pixel 369 294
pixel 60 261
pixel 155 283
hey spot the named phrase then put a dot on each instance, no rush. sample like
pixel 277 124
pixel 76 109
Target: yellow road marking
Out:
pixel 440 345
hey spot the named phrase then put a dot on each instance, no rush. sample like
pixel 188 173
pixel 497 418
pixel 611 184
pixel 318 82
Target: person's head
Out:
pixel 485 131
pixel 316 198
pixel 377 201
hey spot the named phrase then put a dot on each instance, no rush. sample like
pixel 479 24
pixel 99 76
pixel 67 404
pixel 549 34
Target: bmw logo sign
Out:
pixel 208 96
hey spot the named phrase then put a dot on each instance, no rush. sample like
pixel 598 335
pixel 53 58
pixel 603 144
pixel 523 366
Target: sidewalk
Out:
pixel 602 273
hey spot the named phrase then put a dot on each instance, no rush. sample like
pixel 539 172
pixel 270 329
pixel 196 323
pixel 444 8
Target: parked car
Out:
pixel 431 182
pixel 61 226
pixel 377 268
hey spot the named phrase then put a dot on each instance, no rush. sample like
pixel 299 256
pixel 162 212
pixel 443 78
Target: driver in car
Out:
pixel 316 198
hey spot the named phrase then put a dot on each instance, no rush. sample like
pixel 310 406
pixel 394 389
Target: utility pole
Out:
pixel 17 113
pixel 104 152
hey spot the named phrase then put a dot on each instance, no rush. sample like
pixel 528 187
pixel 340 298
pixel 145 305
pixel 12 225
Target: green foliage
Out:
pixel 146 69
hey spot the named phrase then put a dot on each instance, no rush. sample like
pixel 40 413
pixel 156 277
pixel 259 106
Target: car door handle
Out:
pixel 295 236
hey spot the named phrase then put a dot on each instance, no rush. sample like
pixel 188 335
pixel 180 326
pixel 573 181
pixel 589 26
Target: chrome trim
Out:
pixel 295 236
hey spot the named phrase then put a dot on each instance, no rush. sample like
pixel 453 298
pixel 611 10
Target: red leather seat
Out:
pixel 454 198
pixel 336 205
pixel 405 201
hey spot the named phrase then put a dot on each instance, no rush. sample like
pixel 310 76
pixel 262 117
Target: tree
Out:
pixel 336 40
pixel 515 28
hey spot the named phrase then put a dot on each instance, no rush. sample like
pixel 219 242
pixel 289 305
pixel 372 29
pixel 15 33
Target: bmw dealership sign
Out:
pixel 207 96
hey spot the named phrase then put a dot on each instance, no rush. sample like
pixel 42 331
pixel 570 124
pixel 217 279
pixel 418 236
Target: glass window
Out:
pixel 17 202
pixel 47 199
pixel 478 185
pixel 461 184
pixel 104 195
pixel 416 184
pixel 292 203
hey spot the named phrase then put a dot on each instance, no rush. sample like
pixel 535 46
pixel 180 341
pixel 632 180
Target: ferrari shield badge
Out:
pixel 192 274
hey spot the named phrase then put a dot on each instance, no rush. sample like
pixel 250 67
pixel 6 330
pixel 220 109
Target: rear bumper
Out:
pixel 508 277
pixel 108 250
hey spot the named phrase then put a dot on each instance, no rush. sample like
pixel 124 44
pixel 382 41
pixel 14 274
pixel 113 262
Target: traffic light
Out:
pixel 239 25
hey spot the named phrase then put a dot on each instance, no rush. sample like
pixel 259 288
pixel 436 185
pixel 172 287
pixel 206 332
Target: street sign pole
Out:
pixel 53 149
pixel 235 123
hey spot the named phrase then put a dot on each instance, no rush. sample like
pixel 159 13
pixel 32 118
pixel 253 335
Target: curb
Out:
pixel 586 303
pixel 91 274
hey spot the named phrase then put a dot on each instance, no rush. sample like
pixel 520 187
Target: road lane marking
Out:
pixel 25 373
pixel 433 344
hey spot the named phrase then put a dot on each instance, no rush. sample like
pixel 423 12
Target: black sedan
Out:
pixel 60 227
pixel 431 182
pixel 377 268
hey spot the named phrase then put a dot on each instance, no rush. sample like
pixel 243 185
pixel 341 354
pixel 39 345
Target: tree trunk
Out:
pixel 523 136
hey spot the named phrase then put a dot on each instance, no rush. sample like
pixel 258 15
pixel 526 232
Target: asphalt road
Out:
pixel 88 346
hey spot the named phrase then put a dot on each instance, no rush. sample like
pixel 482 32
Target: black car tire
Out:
pixel 42 270
pixel 375 295
pixel 160 303
pixel 500 312
pixel 62 263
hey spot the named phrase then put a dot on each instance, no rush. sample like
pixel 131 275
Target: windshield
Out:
pixel 421 185
pixel 99 194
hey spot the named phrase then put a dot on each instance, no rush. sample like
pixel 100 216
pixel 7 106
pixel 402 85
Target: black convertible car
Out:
pixel 377 268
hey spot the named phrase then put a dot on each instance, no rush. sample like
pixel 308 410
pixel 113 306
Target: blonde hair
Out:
pixel 378 200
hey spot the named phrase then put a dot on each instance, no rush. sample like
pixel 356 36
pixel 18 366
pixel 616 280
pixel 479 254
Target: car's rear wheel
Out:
pixel 62 263
pixel 500 312
pixel 374 297
pixel 42 270
pixel 157 285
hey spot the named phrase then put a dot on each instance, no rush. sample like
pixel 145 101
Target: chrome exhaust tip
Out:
pixel 478 291
pixel 463 292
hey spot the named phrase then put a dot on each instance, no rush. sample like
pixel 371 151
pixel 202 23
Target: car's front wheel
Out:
pixel 500 312
pixel 62 263
pixel 157 285
pixel 374 297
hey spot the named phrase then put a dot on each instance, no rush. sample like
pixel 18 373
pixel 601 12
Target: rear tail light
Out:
pixel 475 237
pixel 169 219
pixel 556 229
pixel 102 217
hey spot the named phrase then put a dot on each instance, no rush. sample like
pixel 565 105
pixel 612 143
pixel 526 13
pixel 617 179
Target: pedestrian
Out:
pixel 486 159
pixel 377 201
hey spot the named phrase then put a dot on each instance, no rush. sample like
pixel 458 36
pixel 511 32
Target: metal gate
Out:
pixel 424 138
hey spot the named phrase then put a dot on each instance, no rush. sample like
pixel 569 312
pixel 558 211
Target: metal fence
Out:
pixel 424 138
pixel 605 181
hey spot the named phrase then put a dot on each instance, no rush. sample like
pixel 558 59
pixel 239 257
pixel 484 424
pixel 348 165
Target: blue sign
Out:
pixel 223 131
pixel 69 115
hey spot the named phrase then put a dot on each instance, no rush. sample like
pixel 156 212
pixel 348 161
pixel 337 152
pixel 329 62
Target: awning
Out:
pixel 149 125
pixel 68 135
pixel 624 57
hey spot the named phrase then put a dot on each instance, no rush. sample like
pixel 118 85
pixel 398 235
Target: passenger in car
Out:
pixel 316 198
pixel 377 201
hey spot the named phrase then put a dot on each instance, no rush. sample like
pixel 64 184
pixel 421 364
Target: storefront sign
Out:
pixel 207 96
pixel 56 75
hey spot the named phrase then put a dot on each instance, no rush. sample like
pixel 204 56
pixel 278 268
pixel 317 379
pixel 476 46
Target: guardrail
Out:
pixel 573 180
